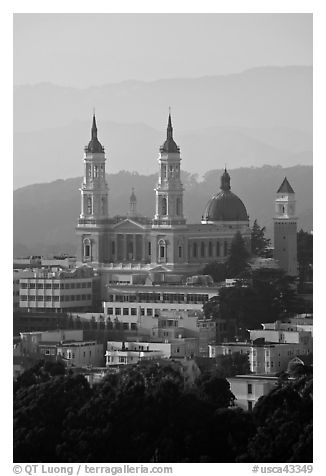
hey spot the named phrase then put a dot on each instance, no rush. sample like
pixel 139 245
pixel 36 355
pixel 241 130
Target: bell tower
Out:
pixel 285 229
pixel 169 189
pixel 94 200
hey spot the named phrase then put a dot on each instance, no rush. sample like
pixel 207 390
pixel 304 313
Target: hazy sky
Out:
pixel 93 49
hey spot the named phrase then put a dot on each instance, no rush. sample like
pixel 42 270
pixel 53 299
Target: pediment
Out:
pixel 128 225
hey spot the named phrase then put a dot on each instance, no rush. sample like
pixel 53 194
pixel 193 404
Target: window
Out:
pixel 110 310
pixel 48 286
pixel 162 251
pixel 249 406
pixel 249 388
pixel 89 205
pixel 133 326
pixel 149 312
pixel 125 326
pixel 133 311
pixel 118 311
pixel 149 248
pixel 225 248
pixel 125 311
pixel 164 206
pixel 180 251
pixel 39 285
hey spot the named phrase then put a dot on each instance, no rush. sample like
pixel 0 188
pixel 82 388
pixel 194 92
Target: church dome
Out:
pixel 225 205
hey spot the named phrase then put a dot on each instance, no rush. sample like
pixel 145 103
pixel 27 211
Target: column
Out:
pixel 143 244
pixel 124 256
pixel 134 247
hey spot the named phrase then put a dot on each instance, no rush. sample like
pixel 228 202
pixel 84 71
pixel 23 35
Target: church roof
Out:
pixel 169 145
pixel 94 145
pixel 225 205
pixel 285 187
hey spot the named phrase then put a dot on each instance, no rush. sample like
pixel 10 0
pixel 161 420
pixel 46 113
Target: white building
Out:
pixel 67 290
pixel 264 358
pixel 247 389
pixel 122 353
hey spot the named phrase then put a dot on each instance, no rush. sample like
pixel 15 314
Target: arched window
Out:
pixel 180 251
pixel 162 250
pixel 217 248
pixel 194 250
pixel 87 248
pixel 164 206
pixel 210 249
pixel 202 249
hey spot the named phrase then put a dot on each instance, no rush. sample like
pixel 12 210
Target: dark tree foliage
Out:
pixel 231 365
pixel 40 372
pixel 144 413
pixel 270 296
pixel 259 243
pixel 39 412
pixel 216 270
pixel 284 424
pixel 305 256
pixel 237 262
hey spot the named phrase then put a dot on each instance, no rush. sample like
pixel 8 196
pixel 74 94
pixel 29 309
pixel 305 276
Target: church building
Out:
pixel 120 246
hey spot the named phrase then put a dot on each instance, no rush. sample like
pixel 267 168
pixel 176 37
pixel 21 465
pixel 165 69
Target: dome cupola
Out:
pixel 225 205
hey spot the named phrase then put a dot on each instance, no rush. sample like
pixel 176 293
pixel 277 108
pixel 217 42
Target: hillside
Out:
pixel 261 116
pixel 45 215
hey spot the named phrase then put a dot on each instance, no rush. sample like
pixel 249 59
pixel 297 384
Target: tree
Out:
pixel 216 270
pixel 237 262
pixel 259 243
pixel 215 390
pixel 231 365
pixel 283 420
pixel 305 256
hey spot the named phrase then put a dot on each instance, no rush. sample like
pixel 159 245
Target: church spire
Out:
pixel 94 145
pixel 169 134
pixel 169 145
pixel 94 128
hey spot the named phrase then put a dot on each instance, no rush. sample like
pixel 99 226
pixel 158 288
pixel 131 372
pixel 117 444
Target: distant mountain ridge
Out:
pixel 261 116
pixel 45 215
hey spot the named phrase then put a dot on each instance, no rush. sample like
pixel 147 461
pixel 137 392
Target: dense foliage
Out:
pixel 259 243
pixel 145 414
pixel 305 257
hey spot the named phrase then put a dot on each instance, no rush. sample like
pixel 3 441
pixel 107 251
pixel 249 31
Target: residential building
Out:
pixel 66 290
pixel 264 357
pixel 247 389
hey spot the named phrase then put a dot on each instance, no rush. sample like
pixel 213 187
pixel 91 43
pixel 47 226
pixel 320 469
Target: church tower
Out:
pixel 285 229
pixel 94 200
pixel 169 190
